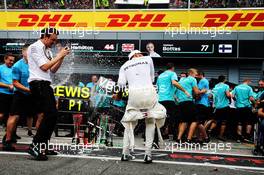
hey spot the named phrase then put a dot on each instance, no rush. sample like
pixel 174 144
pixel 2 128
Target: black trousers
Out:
pixel 45 102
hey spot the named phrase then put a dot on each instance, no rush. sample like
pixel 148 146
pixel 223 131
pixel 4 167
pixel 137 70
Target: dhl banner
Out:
pixel 241 20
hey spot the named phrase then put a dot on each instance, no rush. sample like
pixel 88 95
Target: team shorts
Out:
pixel 22 105
pixel 245 115
pixel 188 112
pixel 172 111
pixel 222 114
pixel 5 103
pixel 203 113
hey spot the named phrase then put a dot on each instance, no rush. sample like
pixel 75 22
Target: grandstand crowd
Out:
pixel 111 4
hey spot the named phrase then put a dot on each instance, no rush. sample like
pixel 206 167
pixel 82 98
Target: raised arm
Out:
pixel 55 67
pixel 37 55
pixel 177 85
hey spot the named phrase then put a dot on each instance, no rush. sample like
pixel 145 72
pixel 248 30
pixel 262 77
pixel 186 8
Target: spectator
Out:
pixel 93 82
pixel 47 4
pixel 179 4
pixel 88 4
pixel 104 4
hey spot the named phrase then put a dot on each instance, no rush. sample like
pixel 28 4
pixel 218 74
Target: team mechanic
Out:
pixel 22 104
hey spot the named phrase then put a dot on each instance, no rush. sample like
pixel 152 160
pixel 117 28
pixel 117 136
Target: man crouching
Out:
pixel 138 72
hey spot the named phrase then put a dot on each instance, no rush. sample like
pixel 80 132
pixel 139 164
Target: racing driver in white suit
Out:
pixel 142 103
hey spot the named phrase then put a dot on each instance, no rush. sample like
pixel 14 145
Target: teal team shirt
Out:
pixel 204 100
pixel 188 84
pixel 219 94
pixel 119 103
pixel 259 95
pixel 20 72
pixel 242 93
pixel 166 89
pixel 6 78
pixel 81 84
pixel 89 85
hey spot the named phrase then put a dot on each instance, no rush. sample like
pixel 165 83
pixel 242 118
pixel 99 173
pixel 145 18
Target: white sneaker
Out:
pixel 127 157
pixel 147 159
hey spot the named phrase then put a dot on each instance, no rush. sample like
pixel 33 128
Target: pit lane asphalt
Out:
pixel 20 164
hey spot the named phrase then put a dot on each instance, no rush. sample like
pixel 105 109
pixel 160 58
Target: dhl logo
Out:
pixel 57 20
pixel 238 19
pixel 212 20
pixel 137 20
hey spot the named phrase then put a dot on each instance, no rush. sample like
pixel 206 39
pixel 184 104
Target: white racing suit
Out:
pixel 142 104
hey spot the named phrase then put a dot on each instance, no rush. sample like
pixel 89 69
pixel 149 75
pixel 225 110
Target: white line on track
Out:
pixel 155 161
pixel 199 152
pixel 180 151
